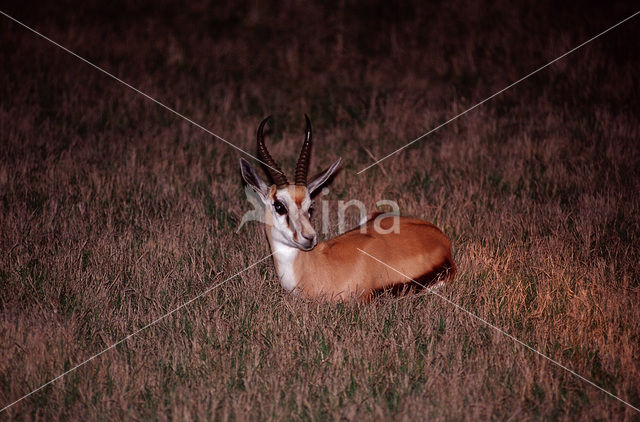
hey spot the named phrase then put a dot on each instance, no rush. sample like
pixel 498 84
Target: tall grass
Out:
pixel 113 211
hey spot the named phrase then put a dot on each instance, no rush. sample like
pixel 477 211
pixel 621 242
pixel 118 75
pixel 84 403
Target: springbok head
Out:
pixel 287 204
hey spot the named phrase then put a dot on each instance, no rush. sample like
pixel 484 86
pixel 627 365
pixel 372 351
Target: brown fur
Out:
pixel 336 269
pixel 298 194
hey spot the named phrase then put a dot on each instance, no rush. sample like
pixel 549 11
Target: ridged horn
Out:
pixel 302 167
pixel 263 154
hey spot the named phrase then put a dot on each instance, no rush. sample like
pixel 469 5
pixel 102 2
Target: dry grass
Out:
pixel 113 211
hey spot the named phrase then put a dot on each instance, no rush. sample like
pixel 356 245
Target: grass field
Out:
pixel 113 211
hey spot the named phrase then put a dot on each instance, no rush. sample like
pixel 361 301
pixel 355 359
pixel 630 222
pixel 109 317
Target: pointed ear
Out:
pixel 319 179
pixel 251 177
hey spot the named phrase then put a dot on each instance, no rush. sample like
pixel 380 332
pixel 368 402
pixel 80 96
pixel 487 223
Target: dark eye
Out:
pixel 280 208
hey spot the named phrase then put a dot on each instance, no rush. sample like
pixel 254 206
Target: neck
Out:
pixel 284 256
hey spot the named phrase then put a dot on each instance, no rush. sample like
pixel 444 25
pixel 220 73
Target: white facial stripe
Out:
pixel 306 204
pixel 291 229
pixel 283 196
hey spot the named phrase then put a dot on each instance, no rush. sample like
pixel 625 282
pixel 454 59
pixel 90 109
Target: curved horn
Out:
pixel 279 178
pixel 302 168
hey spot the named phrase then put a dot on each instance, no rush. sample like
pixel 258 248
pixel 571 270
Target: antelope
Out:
pixel 339 268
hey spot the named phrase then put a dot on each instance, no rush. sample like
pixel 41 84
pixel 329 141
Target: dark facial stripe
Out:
pixel 291 226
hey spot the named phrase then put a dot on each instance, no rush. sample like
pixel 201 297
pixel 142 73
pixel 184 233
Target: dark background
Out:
pixel 114 211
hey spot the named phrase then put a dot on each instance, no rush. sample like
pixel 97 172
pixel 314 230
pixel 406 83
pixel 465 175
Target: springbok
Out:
pixel 339 268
